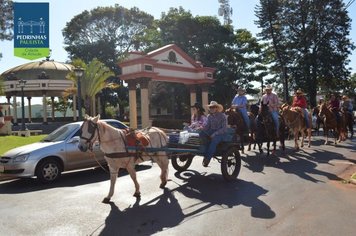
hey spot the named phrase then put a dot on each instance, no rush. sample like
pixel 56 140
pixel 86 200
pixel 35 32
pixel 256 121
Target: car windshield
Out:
pixel 61 133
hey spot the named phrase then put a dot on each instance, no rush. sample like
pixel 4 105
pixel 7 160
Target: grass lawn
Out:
pixel 10 142
pixel 353 176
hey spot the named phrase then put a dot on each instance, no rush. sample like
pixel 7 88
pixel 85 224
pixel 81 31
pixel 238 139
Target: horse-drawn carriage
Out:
pixel 227 153
pixel 119 153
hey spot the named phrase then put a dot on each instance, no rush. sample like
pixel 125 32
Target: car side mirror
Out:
pixel 75 139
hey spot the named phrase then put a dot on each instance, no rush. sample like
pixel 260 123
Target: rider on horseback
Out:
pixel 334 104
pixel 240 102
pixel 346 104
pixel 273 103
pixel 299 100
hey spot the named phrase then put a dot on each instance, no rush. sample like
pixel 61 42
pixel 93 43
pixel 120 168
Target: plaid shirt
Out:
pixel 217 123
pixel 272 100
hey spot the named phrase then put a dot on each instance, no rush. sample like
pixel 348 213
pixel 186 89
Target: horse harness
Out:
pixel 92 127
pixel 135 139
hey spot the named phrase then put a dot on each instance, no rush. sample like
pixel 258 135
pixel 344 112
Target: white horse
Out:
pixel 113 144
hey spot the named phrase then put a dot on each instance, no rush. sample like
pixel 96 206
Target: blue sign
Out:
pixel 31 30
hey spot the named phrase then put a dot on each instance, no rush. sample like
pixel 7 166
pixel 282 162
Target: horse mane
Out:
pixel 104 126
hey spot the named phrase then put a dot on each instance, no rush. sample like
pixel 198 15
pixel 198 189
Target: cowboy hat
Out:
pixel 215 104
pixel 268 87
pixel 345 97
pixel 299 91
pixel 241 90
pixel 198 106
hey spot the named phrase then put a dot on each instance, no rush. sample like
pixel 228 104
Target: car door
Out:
pixel 77 159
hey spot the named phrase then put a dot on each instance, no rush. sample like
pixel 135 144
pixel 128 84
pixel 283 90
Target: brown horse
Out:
pixel 331 123
pixel 235 120
pixel 293 117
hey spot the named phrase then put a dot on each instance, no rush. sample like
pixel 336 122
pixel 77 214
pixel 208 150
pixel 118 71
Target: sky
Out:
pixel 62 11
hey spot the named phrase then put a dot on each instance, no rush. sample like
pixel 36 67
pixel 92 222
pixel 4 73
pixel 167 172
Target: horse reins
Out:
pixel 92 127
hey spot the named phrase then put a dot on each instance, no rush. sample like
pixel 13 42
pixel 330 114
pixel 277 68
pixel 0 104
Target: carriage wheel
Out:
pixel 231 164
pixel 181 162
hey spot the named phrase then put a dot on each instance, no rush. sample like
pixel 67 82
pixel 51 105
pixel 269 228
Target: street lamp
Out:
pixel 22 85
pixel 79 73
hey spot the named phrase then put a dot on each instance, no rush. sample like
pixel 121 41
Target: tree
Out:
pixel 270 20
pixel 233 54
pixel 6 20
pixel 108 33
pixel 93 81
pixel 241 65
pixel 310 40
pixel 61 105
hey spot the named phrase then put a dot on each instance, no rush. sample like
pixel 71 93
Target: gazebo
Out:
pixel 46 78
pixel 167 64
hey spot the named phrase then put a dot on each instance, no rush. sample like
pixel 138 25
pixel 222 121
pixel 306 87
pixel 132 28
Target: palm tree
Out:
pixel 93 81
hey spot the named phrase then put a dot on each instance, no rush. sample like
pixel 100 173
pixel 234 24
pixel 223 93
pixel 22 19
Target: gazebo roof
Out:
pixel 46 69
pixel 42 77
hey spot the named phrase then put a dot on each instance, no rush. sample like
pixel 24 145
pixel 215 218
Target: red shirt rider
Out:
pixel 299 100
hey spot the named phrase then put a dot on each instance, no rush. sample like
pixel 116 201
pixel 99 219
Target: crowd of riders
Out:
pixel 212 125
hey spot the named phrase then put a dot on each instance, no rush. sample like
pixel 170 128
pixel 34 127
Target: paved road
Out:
pixel 299 193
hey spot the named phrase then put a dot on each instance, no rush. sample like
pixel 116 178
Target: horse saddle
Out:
pixel 136 138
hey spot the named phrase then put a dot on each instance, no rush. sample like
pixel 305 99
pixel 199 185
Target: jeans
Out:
pixel 337 114
pixel 275 120
pixel 246 118
pixel 306 117
pixel 212 143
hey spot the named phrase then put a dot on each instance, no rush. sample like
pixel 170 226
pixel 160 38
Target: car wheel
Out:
pixel 48 170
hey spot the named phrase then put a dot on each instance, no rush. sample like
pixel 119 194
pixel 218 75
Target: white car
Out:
pixel 56 153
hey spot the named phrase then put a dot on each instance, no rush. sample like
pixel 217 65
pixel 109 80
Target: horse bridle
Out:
pixel 92 127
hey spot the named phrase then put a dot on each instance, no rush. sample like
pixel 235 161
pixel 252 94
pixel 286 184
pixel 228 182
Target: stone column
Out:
pixel 145 116
pixel 74 108
pixel 205 94
pixel 52 113
pixel 14 105
pixel 9 109
pixel 193 94
pixel 29 110
pixel 132 104
pixel 44 105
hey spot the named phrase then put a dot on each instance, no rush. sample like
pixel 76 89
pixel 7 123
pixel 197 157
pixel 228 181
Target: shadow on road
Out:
pixel 70 179
pixel 302 163
pixel 212 190
pixel 210 194
pixel 159 213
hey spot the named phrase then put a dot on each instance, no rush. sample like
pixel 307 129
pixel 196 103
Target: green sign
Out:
pixel 31 30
